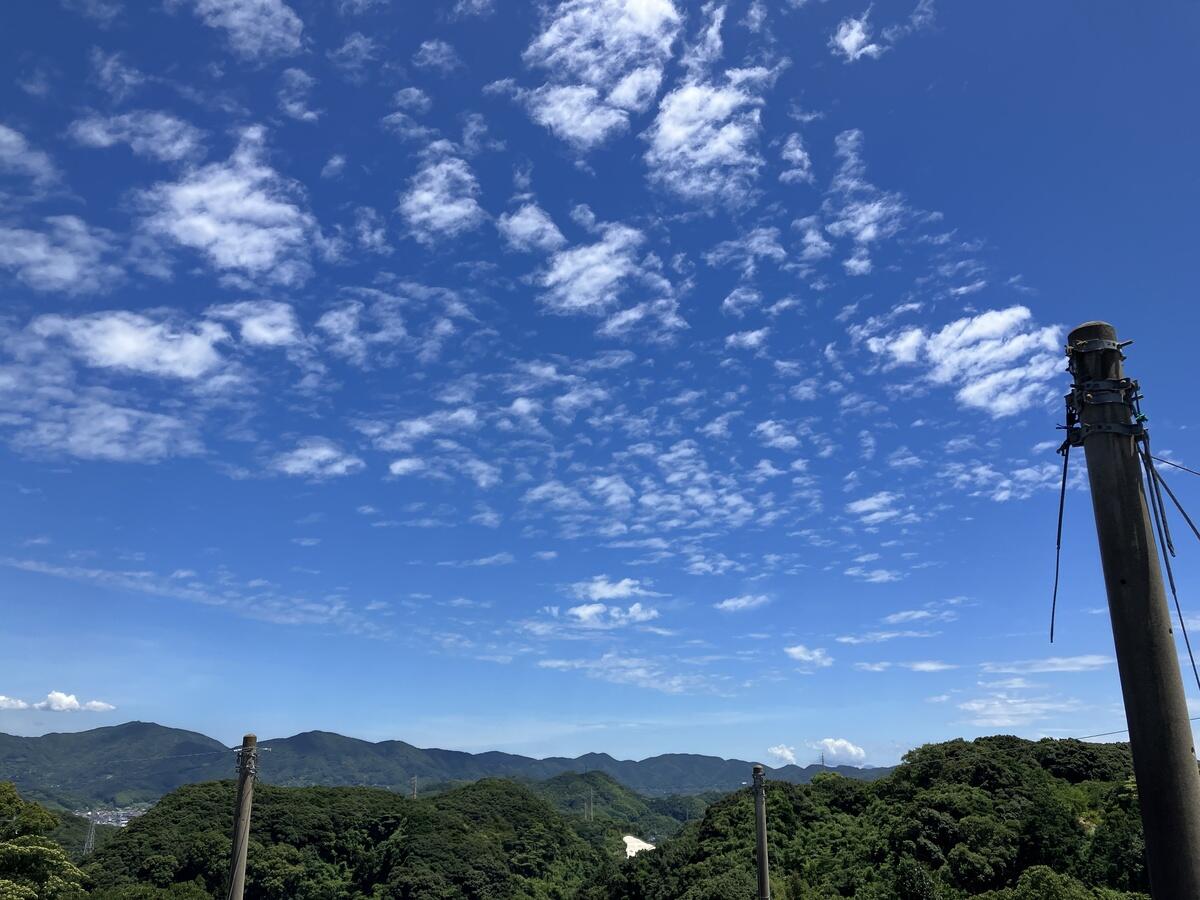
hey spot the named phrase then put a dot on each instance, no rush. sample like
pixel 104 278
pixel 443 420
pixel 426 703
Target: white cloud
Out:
pixel 1003 710
pixel 703 145
pixel 370 229
pixel 799 162
pixel 148 133
pixel 1086 663
pixel 783 754
pixel 747 250
pixel 878 637
pixel 464 8
pixel 18 157
pixel 358 7
pixel 69 256
pixel 440 200
pixel 638 672
pixel 739 300
pixel 840 750
pixel 137 343
pixel 57 701
pixel 530 228
pixel 496 559
pixel 294 87
pixel 605 60
pixel 929 665
pixel 879 507
pixel 353 56
pixel 12 703
pixel 815 657
pixel 776 435
pixel 407 433
pixel 747 340
pixel 334 166
pixel 437 55
pixel 262 323
pixel 241 214
pixel 602 616
pixel 408 465
pixel 853 39
pixel 103 12
pixel 412 99
pixel 114 75
pixel 92 428
pixel 999 360
pixel 601 588
pixel 575 113
pixel 257 29
pixel 743 602
pixel 873 576
pixel 590 278
pixel 601 41
pixel 317 457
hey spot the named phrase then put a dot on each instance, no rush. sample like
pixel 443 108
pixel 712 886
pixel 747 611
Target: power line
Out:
pixel 1087 737
pixel 1175 465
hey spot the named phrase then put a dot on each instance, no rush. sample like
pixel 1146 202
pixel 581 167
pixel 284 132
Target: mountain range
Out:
pixel 139 762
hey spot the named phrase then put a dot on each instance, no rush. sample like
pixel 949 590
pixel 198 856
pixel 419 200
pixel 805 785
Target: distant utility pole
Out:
pixel 1160 735
pixel 760 820
pixel 591 807
pixel 414 787
pixel 247 766
pixel 89 845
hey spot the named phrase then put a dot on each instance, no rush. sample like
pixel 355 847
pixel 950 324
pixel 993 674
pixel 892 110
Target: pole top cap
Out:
pixel 1092 331
pixel 758 769
pixel 250 739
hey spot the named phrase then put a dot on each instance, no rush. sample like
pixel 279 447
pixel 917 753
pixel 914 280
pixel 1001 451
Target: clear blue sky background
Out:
pixel 617 375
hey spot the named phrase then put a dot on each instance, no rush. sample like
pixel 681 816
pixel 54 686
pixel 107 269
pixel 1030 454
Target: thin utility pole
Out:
pixel 1160 735
pixel 414 787
pixel 760 819
pixel 247 764
pixel 89 844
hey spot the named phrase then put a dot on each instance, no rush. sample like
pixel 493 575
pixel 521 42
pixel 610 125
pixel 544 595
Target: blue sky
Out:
pixel 620 375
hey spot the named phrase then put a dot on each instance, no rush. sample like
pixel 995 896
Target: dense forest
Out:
pixel 997 818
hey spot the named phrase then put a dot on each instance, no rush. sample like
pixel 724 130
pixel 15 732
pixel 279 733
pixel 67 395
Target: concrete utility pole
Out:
pixel 247 764
pixel 1160 735
pixel 760 819
pixel 414 787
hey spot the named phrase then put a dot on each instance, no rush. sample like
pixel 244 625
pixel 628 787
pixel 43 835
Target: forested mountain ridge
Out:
pixel 992 819
pixel 141 761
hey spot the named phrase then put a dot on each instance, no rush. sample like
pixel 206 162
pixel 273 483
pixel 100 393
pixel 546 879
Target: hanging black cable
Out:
pixel 1164 530
pixel 1065 450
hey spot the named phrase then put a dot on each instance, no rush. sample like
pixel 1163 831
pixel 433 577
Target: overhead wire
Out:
pixel 1088 737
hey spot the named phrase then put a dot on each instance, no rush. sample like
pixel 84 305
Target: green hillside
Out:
pixel 117 766
pixel 141 761
pixel 491 839
pixel 997 818
pixel 992 819
pixel 650 818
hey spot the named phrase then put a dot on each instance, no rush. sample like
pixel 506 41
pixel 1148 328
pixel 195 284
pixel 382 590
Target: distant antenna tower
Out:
pixel 89 845
pixel 822 759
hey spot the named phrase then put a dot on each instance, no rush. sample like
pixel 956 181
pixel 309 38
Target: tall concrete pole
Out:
pixel 1160 735
pixel 247 761
pixel 760 821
